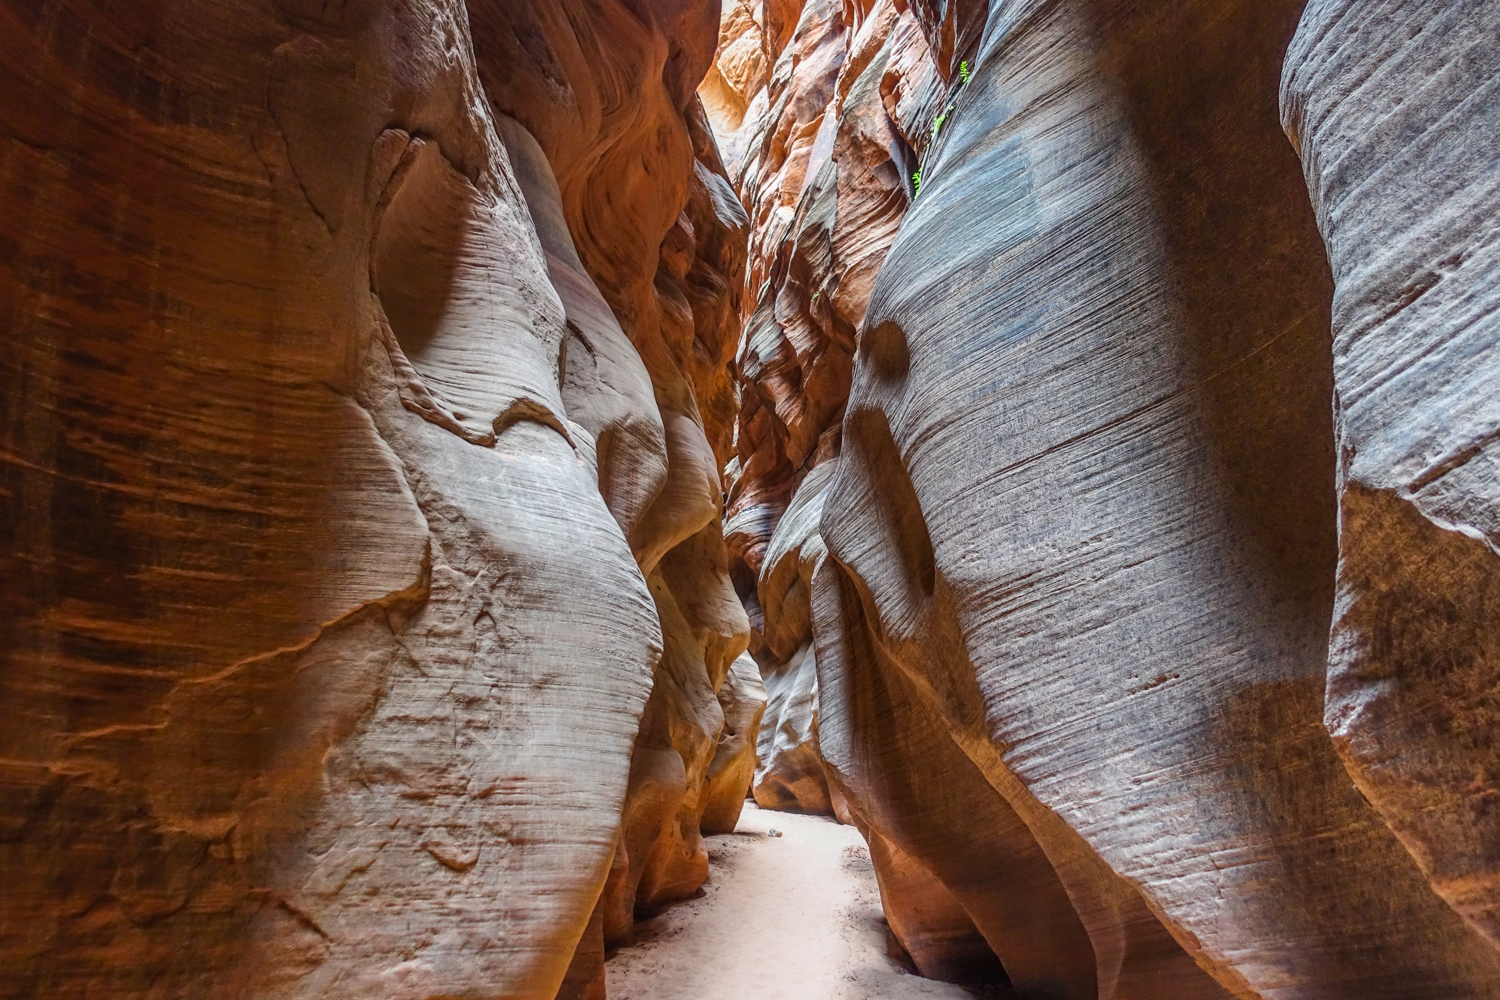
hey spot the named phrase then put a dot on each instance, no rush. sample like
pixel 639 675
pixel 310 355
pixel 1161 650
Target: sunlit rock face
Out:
pixel 658 238
pixel 361 545
pixel 1102 478
pixel 1407 194
pixel 825 173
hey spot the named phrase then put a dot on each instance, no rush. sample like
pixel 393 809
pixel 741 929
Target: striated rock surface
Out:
pixel 1072 580
pixel 648 258
pixel 939 831
pixel 294 652
pixel 826 178
pixel 361 536
pixel 451 450
pixel 789 767
pixel 1118 606
pixel 819 116
pixel 1407 195
pixel 931 925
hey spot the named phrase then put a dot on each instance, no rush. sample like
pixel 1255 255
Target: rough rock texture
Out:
pixel 351 402
pixel 738 77
pixel 1086 502
pixel 1407 195
pixel 819 117
pixel 376 375
pixel 910 786
pixel 1089 520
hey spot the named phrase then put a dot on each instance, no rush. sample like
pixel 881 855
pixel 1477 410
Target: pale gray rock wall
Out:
pixel 1395 108
pixel 1087 501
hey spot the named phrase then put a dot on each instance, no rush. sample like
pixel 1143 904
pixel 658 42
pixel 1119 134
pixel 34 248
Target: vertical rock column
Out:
pixel 1395 109
pixel 646 244
pixel 821 132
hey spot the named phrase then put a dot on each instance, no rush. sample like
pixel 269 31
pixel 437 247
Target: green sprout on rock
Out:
pixel 916 183
pixel 963 71
pixel 937 123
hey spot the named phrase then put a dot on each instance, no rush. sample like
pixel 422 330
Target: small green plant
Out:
pixel 963 71
pixel 916 183
pixel 937 123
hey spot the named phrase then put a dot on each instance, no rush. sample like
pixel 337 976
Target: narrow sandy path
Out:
pixel 795 917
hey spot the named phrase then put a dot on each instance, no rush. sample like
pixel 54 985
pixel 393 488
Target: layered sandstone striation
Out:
pixel 825 173
pixel 823 110
pixel 453 449
pixel 1085 518
pixel 1407 196
pixel 365 389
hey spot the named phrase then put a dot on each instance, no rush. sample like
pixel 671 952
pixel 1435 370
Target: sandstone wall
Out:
pixel 438 475
pixel 364 377
pixel 1406 195
pixel 823 109
pixel 1102 481
pixel 641 192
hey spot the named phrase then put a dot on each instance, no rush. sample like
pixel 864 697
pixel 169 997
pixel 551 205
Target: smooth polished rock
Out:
pixel 788 763
pixel 743 699
pixel 315 611
pixel 827 181
pixel 1087 496
pixel 650 250
pixel 945 843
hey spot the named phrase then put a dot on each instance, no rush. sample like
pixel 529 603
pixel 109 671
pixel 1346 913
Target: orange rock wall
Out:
pixel 367 612
pixel 823 111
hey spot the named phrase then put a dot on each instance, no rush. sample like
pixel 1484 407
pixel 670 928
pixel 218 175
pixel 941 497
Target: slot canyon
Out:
pixel 757 499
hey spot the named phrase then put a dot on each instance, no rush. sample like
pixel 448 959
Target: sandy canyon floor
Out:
pixel 795 917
